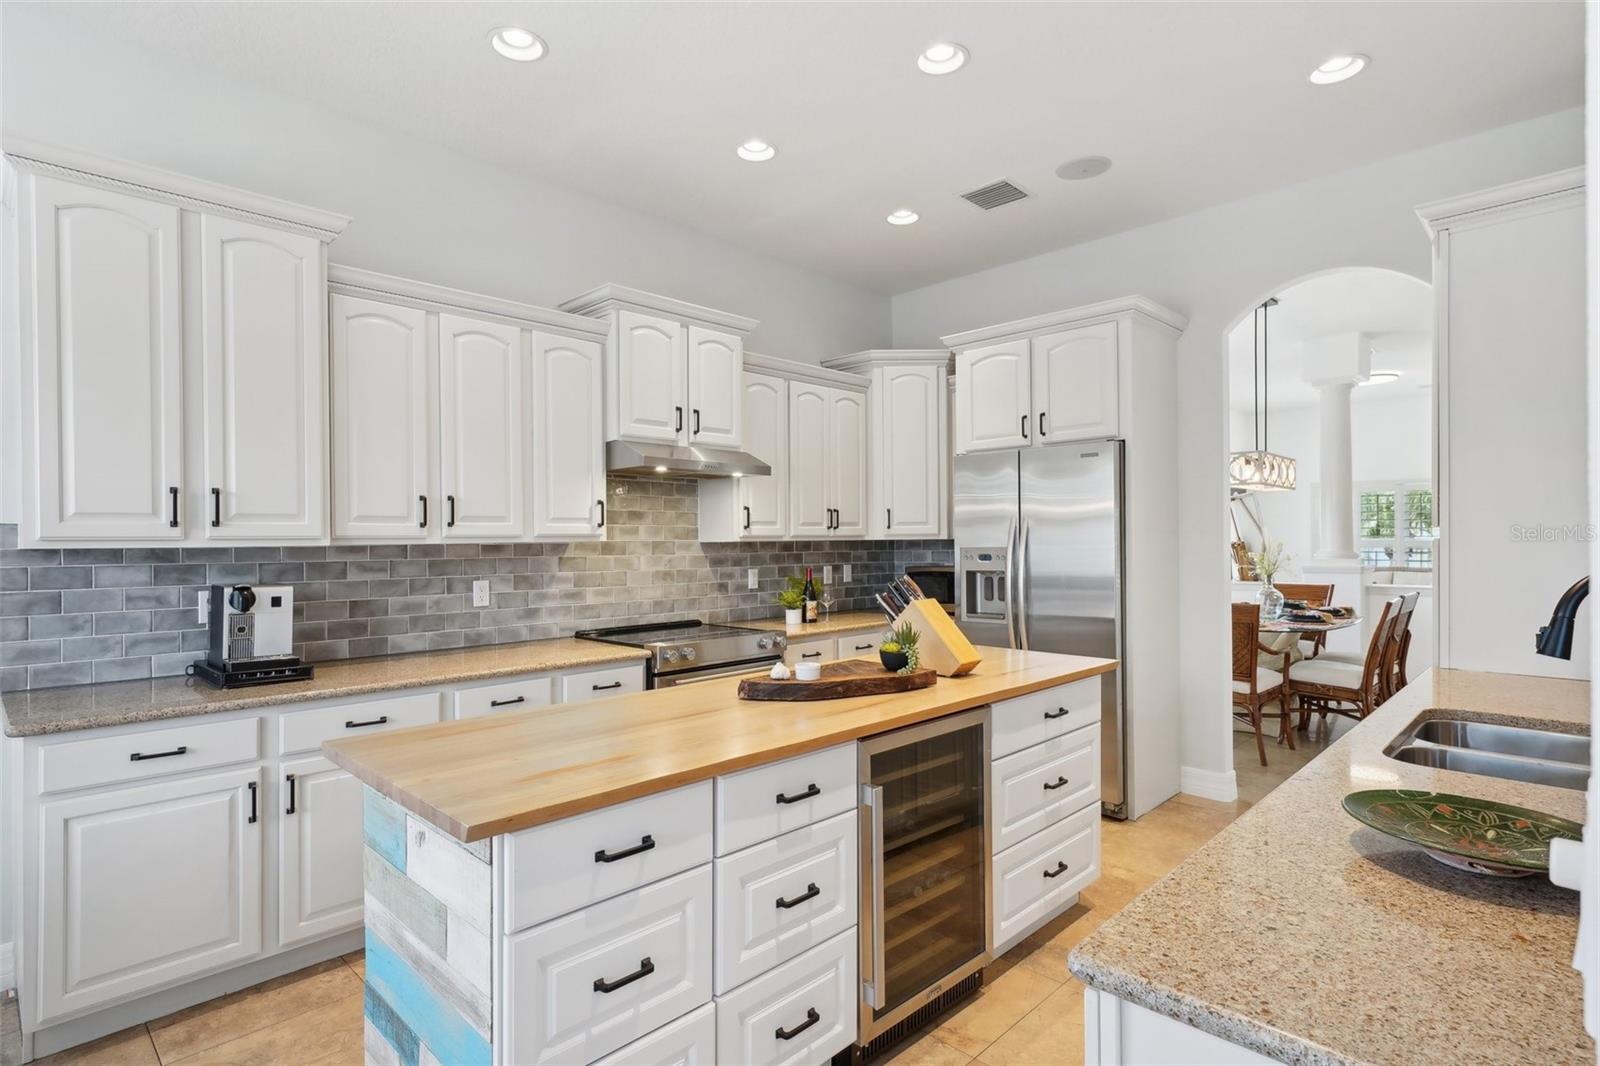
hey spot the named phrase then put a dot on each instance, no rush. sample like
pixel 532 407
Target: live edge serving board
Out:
pixel 840 680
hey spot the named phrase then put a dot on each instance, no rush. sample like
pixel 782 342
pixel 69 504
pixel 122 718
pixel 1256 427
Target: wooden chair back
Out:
pixel 1310 595
pixel 1246 630
pixel 1378 647
pixel 1399 642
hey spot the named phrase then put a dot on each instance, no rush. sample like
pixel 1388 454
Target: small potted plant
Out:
pixel 899 652
pixel 793 602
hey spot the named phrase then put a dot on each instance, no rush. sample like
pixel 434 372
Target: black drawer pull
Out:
pixel 811 655
pixel 424 523
pixel 888 514
pixel 865 647
pixel 216 507
pixel 1059 712
pixel 812 1018
pixel 697 421
pixel 646 968
pixel 140 756
pixel 1042 432
pixel 602 688
pixel 173 521
pixel 380 720
pixel 811 790
pixel 508 703
pixel 811 892
pixel 1024 427
pixel 602 523
pixel 747 518
pixel 450 504
pixel 646 843
pixel 252 787
pixel 1059 783
pixel 679 428
pixel 1060 869
pixel 290 779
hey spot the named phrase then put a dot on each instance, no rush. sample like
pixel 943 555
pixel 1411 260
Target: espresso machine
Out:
pixel 252 637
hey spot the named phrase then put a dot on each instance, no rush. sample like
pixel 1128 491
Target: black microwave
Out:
pixel 936 581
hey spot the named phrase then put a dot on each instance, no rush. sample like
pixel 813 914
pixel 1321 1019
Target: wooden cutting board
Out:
pixel 840 680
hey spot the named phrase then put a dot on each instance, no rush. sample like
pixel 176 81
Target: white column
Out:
pixel 1336 541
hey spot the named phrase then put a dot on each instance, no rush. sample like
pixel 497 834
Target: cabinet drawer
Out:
pixel 582 986
pixel 758 804
pixel 134 756
pixel 802 1012
pixel 1028 890
pixel 783 897
pixel 810 651
pixel 556 868
pixel 1041 785
pixel 857 644
pixel 306 730
pixel 592 684
pixel 503 696
pixel 1038 716
pixel 689 1041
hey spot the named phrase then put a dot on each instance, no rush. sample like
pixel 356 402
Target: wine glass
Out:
pixel 827 602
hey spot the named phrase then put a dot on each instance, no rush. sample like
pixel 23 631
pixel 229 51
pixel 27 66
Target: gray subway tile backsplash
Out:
pixel 135 616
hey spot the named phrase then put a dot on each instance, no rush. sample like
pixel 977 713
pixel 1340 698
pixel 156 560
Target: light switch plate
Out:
pixel 847 573
pixel 202 607
pixel 827 575
pixel 752 578
pixel 480 592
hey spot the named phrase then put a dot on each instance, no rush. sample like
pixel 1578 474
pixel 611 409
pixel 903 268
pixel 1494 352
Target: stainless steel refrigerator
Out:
pixel 1039 566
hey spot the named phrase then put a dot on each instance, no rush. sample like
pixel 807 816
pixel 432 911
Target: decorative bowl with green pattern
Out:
pixel 1478 835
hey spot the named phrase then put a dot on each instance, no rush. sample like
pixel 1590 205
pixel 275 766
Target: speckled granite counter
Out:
pixel 61 710
pixel 843 622
pixel 1301 934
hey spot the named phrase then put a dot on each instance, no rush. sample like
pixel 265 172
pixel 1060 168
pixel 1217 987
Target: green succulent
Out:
pixel 889 646
pixel 904 638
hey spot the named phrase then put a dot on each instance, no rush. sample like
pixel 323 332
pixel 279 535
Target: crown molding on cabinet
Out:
pixel 792 370
pixel 861 362
pixel 353 281
pixel 1077 316
pixel 151 183
pixel 609 297
pixel 1502 202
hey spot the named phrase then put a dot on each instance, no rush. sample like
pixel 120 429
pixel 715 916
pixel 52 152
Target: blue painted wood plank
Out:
pixel 384 824
pixel 446 1033
pixel 390 1025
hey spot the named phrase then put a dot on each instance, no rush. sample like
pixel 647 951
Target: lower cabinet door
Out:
pixel 1035 880
pixel 319 850
pixel 586 984
pixel 147 886
pixel 689 1041
pixel 1041 785
pixel 802 1012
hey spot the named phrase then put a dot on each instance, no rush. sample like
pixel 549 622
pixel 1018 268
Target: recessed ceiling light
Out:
pixel 661 470
pixel 514 42
pixel 756 151
pixel 946 57
pixel 1338 68
pixel 1381 377
pixel 902 217
pixel 1089 166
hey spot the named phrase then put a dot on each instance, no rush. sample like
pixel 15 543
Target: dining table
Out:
pixel 1293 625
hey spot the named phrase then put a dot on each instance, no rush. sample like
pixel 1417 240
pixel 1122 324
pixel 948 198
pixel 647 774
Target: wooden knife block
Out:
pixel 941 646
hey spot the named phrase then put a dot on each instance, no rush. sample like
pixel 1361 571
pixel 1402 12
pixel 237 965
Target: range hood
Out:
pixel 671 460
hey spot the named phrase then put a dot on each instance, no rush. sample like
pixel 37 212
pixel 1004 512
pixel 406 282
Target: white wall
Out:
pixel 1214 266
pixel 420 211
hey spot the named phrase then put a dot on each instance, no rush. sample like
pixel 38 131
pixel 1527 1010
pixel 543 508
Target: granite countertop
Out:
pixel 61 710
pixel 836 624
pixel 1303 935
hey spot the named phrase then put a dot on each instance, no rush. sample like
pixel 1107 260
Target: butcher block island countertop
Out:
pixel 501 773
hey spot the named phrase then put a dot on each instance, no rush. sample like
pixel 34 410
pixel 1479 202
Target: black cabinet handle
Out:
pixel 1042 432
pixel 646 843
pixel 1060 869
pixel 140 756
pixel 888 513
pixel 811 655
pixel 290 779
pixel 602 688
pixel 216 506
pixel 252 787
pixel 864 647
pixel 602 523
pixel 450 516
pixel 747 518
pixel 679 428
pixel 1059 712
pixel 1024 427
pixel 811 789
pixel 1060 782
pixel 811 892
pixel 380 720
pixel 173 492
pixel 424 523
pixel 508 703
pixel 812 1018
pixel 646 968
pixel 697 421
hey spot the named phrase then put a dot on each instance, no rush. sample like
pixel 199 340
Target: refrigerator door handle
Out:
pixel 1021 602
pixel 873 990
pixel 1010 581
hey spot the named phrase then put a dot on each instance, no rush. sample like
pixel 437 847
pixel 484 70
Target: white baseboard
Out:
pixel 8 967
pixel 1208 784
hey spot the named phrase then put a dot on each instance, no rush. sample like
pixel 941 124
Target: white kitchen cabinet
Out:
pixel 908 468
pixel 716 380
pixel 827 461
pixel 846 458
pixel 102 365
pixel 147 885
pixel 566 424
pixel 650 379
pixel 754 508
pixel 481 428
pixel 994 397
pixel 383 409
pixel 820 650
pixel 264 371
pixel 319 850
pixel 1075 384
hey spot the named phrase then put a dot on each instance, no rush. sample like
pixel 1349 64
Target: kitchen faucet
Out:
pixel 1555 639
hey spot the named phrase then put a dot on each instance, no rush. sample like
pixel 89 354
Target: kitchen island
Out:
pixel 1299 935
pixel 598 883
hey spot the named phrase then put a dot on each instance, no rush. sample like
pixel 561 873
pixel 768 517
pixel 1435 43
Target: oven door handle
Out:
pixel 693 677
pixel 872 990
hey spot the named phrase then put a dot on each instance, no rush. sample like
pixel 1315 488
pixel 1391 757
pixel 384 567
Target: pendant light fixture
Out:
pixel 1260 470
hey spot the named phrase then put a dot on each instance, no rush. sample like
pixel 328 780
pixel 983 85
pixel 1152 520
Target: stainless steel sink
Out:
pixel 1516 753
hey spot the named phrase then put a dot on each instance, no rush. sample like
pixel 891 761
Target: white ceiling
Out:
pixel 1395 311
pixel 643 103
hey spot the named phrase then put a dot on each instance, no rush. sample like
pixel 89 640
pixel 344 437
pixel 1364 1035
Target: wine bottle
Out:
pixel 811 597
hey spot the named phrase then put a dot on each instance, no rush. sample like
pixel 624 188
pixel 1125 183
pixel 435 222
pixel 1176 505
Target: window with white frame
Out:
pixel 1395 524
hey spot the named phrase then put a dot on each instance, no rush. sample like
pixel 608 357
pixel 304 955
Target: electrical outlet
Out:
pixel 827 575
pixel 847 573
pixel 752 578
pixel 202 607
pixel 480 592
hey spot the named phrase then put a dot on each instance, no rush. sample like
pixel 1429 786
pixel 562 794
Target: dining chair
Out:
pixel 1311 596
pixel 1353 689
pixel 1400 645
pixel 1253 684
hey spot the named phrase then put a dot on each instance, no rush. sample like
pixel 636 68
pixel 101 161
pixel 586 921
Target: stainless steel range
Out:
pixel 685 652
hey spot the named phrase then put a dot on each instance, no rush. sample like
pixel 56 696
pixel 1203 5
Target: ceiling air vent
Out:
pixel 992 196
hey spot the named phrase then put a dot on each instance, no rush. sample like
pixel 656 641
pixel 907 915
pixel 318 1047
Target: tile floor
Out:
pixel 1029 1012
